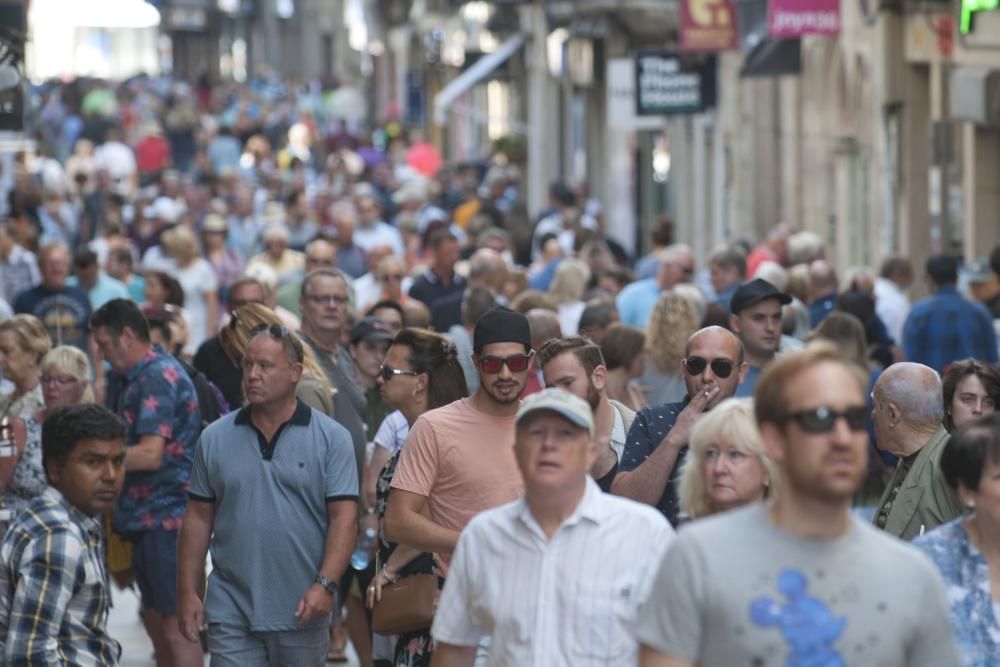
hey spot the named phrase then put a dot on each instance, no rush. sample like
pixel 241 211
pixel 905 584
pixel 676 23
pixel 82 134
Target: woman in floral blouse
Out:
pixel 967 550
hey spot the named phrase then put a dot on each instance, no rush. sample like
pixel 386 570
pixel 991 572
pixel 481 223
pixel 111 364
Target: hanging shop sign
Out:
pixel 708 26
pixel 796 18
pixel 669 83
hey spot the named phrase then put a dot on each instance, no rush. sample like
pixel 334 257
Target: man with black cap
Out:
pixel 458 460
pixel 756 320
pixel 552 577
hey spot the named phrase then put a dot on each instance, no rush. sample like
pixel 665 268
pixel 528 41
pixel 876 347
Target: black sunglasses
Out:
pixel 278 332
pixel 722 368
pixel 822 419
pixel 388 372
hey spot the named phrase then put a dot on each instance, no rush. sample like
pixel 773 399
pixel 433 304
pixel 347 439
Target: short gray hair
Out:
pixel 915 389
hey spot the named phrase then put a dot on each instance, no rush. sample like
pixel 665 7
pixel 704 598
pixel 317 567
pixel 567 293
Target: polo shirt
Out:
pixel 635 303
pixel 270 500
pixel 572 599
pixel 429 288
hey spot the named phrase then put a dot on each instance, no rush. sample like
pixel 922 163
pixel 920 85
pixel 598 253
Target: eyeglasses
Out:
pixel 278 332
pixel 60 380
pixel 387 372
pixel 395 277
pixel 721 367
pixel 821 419
pixel 516 363
pixel 328 299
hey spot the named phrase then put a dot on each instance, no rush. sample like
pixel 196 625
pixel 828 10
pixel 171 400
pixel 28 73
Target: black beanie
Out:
pixel 501 325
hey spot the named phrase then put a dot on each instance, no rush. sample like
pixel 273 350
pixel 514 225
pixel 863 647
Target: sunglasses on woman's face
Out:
pixel 822 419
pixel 387 372
pixel 722 368
pixel 517 363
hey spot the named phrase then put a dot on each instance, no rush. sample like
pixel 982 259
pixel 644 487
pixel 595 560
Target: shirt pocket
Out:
pixel 602 613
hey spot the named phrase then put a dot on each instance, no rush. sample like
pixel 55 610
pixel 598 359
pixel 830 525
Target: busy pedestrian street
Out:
pixel 499 333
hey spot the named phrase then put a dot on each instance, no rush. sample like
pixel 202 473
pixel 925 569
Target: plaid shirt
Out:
pixel 945 328
pixel 54 588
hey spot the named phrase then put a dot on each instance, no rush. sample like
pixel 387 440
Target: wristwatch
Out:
pixel 329 585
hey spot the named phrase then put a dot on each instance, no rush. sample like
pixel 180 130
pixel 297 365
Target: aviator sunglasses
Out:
pixel 821 419
pixel 722 368
pixel 516 363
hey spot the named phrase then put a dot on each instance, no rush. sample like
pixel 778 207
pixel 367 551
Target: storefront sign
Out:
pixel 795 18
pixel 666 83
pixel 708 26
pixel 970 7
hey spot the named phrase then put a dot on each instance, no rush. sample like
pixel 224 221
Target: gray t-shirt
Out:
pixel 736 590
pixel 269 533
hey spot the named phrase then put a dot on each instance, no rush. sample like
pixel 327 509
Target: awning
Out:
pixel 464 82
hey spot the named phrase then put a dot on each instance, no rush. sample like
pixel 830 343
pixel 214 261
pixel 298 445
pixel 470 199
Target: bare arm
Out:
pixel 406 524
pixel 192 547
pixel 606 459
pixel 449 655
pixel 380 455
pixel 649 657
pixel 211 313
pixel 147 454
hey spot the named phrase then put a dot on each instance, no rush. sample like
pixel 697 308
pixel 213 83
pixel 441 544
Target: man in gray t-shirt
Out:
pixel 798 582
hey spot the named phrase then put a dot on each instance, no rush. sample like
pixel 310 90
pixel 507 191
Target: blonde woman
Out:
pixel 568 287
pixel 314 388
pixel 24 341
pixel 199 282
pixel 65 380
pixel 678 314
pixel 725 466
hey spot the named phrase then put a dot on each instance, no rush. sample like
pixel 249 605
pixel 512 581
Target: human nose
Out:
pixel 504 371
pixel 720 465
pixel 841 431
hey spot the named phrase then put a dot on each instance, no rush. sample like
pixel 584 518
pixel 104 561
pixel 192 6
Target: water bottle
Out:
pixel 362 553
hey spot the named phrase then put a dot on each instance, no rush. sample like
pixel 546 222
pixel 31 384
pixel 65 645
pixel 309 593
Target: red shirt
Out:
pixel 152 154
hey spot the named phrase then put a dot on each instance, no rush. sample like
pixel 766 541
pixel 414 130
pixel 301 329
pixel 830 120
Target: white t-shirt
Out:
pixel 392 433
pixel 197 279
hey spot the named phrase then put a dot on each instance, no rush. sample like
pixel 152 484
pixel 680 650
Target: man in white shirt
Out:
pixel 556 577
pixel 891 304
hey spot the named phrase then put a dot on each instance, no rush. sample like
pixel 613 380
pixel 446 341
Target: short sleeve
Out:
pixel 671 619
pixel 661 537
pixel 391 433
pixel 418 464
pixel 341 467
pixel 200 487
pixel 933 639
pixel 157 402
pixel 638 446
pixel 455 621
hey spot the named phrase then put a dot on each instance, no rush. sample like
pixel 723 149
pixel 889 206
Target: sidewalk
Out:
pixel 125 626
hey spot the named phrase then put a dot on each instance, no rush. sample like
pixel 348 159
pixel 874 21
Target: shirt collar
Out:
pixel 301 416
pixel 154 352
pixel 589 508
pixel 88 524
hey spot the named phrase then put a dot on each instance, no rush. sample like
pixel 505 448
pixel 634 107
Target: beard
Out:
pixel 593 397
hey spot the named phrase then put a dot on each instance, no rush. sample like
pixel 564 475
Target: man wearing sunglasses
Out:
pixel 713 368
pixel 799 580
pixel 907 413
pixel 274 493
pixel 458 460
pixel 756 319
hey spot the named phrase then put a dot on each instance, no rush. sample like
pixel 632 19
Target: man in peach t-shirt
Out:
pixel 459 460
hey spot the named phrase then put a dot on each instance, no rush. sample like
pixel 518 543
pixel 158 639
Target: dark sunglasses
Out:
pixel 722 368
pixel 278 332
pixel 822 419
pixel 516 363
pixel 388 372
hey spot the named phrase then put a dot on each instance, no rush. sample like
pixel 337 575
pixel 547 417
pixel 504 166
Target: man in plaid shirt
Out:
pixel 54 591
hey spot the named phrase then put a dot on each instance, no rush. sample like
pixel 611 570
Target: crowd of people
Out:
pixel 232 326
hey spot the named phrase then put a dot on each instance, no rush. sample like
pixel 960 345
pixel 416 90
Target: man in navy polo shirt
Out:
pixel 274 492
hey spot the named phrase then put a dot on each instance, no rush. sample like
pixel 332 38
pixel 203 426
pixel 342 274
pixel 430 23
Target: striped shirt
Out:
pixel 54 588
pixel 569 600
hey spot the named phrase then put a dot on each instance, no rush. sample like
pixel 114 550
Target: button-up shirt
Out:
pixel 571 599
pixel 54 588
pixel 946 327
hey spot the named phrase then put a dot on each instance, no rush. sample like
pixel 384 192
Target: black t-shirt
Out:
pixel 212 360
pixel 65 313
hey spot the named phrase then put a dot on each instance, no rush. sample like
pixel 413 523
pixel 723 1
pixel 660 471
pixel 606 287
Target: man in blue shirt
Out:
pixel 946 327
pixel 100 287
pixel 635 302
pixel 713 368
pixel 823 290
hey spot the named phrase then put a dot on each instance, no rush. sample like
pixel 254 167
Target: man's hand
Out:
pixel 190 615
pixel 689 416
pixel 315 603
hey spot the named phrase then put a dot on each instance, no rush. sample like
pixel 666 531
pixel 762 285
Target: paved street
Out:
pixel 125 626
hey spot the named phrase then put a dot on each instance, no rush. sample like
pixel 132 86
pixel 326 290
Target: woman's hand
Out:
pixel 384 577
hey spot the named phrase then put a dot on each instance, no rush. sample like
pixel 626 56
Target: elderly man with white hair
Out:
pixel 908 413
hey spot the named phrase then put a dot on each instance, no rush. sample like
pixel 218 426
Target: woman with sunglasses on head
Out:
pixel 313 389
pixel 64 380
pixel 421 372
pixel 726 465
pixel 970 389
pixel 967 550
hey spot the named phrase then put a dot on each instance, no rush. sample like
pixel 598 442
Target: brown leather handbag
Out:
pixel 406 606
